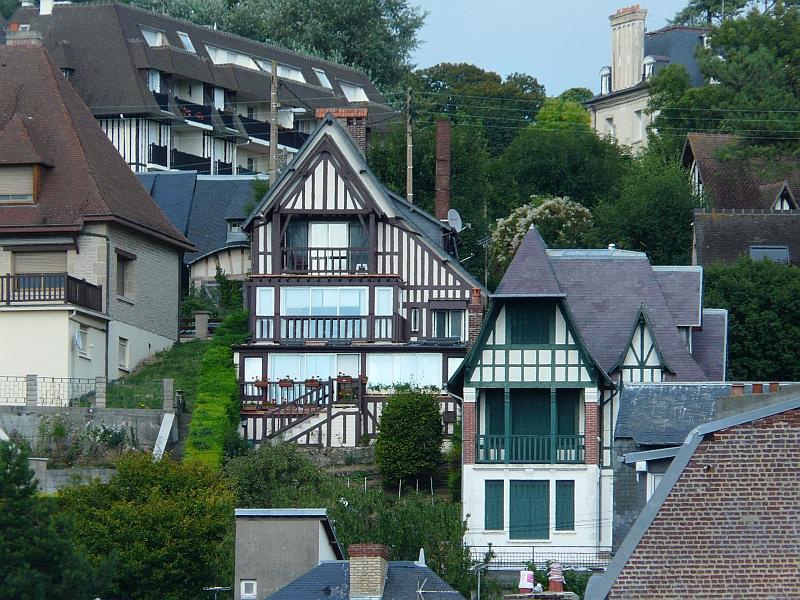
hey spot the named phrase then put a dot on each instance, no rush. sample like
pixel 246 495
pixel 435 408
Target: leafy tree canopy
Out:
pixel 763 317
pixel 577 94
pixel 708 12
pixel 37 557
pixel 558 113
pixel 652 213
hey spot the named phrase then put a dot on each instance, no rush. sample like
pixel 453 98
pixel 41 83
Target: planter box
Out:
pixel 313 383
pixel 261 384
pixel 344 379
pixel 285 383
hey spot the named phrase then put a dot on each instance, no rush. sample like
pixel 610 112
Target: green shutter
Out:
pixel 495 409
pixel 529 322
pixel 565 505
pixel 567 410
pixel 530 411
pixel 530 510
pixel 493 505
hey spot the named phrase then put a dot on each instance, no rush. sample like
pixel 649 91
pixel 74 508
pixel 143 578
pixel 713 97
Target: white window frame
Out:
pixel 322 77
pixel 353 92
pixel 448 314
pixel 219 98
pixel 310 290
pixel 611 130
pixel 265 302
pixel 321 229
pixel 124 352
pixel 155 38
pixel 653 479
pixel 83 333
pixel 414 318
pixel 186 41
pixel 638 126
pixel 248 595
pixel 384 301
pixel 290 72
pixel 154 80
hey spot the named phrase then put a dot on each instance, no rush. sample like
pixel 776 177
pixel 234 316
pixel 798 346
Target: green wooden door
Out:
pixel 529 517
pixel 495 412
pixel 567 410
pixel 530 411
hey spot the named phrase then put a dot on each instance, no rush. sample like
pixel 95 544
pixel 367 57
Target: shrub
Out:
pixel 410 436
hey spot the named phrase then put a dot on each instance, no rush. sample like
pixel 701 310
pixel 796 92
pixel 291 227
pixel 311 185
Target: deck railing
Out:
pixel 325 260
pixel 520 557
pixel 184 161
pixel 531 449
pixel 369 328
pixel 26 288
pixel 200 113
pixel 262 394
pixel 158 155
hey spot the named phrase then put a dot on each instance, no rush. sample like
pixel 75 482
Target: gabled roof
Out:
pixel 641 317
pixel 107 50
pixel 405 580
pixel 741 183
pixel 530 273
pixel 85 178
pixel 600 585
pixel 683 290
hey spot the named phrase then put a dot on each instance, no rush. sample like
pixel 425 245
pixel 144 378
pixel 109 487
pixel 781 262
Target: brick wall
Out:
pixel 353 119
pixel 368 569
pixel 592 431
pixel 475 311
pixel 468 432
pixel 730 525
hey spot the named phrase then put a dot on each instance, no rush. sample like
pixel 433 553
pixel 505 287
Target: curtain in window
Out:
pixel 297 242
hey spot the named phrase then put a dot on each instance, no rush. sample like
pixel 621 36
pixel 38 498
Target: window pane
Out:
pixel 252 368
pixel 379 369
pixel 439 323
pixel 318 235
pixel 265 302
pixel 319 365
pixel 353 301
pixel 456 319
pixel 383 301
pixel 295 301
pixel 186 41
pixel 323 301
pixel 337 235
pixel 349 364
pixel 281 365
pixel 778 254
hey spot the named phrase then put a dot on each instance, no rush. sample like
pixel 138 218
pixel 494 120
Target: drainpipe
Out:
pixel 600 468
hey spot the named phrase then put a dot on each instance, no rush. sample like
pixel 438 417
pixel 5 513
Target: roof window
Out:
pixel 154 37
pixel 353 93
pixel 17 184
pixel 221 56
pixel 186 41
pixel 777 254
pixel 292 73
pixel 323 79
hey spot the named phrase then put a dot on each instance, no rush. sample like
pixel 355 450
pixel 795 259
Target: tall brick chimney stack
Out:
pixel 627 46
pixel 442 168
pixel 353 119
pixel 369 566
pixel 474 316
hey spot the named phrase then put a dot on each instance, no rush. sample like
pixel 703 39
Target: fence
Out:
pixel 34 390
pixel 519 557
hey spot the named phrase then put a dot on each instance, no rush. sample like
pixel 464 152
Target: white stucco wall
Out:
pixel 35 341
pixel 141 344
pixel 628 131
pixel 91 362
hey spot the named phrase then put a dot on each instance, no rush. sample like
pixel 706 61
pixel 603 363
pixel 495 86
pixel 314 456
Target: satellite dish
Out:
pixel 78 341
pixel 454 220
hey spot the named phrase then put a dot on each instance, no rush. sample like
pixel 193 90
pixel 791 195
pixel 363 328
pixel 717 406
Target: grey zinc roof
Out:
pixel 683 290
pixel 662 414
pixel 710 344
pixel 677 43
pixel 530 272
pixel 331 581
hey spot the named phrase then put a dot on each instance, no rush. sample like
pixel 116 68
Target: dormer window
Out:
pixel 605 80
pixel 186 41
pixel 648 63
pixel 289 72
pixel 784 201
pixel 154 80
pixel 154 37
pixel 697 180
pixel 222 56
pixel 353 93
pixel 323 79
pixel 17 184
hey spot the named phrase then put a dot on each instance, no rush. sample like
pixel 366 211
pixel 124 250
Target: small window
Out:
pixel 234 227
pixel 83 341
pixel 653 479
pixel 777 254
pixel 384 306
pixel 154 37
pixel 186 41
pixel 493 505
pixel 25 27
pixel 154 80
pixel 123 360
pixel 67 73
pixel 323 79
pixel 605 80
pixel 16 185
pixel 251 112
pixel 288 72
pixel 638 126
pixel 448 323
pixel 611 131
pixel 219 98
pixel 353 93
pixel 648 64
pixel 125 275
pixel 414 319
pixel 248 589
pixel 565 505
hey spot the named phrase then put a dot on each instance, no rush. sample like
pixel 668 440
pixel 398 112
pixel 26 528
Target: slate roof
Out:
pixel 683 290
pixel 740 183
pixel 710 343
pixel 200 204
pixel 530 272
pixel 107 50
pixel 724 236
pixel 663 414
pixel 331 581
pixel 84 179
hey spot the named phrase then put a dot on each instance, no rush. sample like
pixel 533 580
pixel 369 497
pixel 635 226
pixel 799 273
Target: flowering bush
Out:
pixel 562 223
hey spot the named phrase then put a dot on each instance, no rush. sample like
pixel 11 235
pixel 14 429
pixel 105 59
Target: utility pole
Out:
pixel 409 151
pixel 273 125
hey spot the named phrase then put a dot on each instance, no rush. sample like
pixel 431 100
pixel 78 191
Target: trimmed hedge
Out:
pixel 216 409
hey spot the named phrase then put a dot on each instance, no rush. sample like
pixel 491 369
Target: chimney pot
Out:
pixel 352 119
pixel 443 144
pixel 737 389
pixel 758 388
pixel 774 386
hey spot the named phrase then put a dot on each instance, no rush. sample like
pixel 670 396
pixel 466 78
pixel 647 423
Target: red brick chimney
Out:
pixel 475 311
pixel 442 168
pixel 369 566
pixel 354 119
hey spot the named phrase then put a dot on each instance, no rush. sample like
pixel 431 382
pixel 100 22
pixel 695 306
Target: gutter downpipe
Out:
pixel 614 392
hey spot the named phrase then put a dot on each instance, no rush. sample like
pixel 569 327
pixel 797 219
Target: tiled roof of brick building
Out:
pixel 739 182
pixel 43 120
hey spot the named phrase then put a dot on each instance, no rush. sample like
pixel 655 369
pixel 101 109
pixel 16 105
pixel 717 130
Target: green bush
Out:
pixel 410 436
pixel 454 464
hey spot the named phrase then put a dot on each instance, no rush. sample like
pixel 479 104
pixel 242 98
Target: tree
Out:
pixel 410 436
pixel 169 524
pixel 36 553
pixel 652 214
pixel 7 7
pixel 577 94
pixel 478 98
pixel 378 36
pixel 558 113
pixel 763 317
pixel 561 222
pixel 708 12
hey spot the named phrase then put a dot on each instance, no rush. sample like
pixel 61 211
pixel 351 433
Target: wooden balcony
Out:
pixel 531 449
pixel 49 288
pixel 190 162
pixel 325 261
pixel 360 328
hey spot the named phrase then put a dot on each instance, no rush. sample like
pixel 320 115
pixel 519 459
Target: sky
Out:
pixel 563 43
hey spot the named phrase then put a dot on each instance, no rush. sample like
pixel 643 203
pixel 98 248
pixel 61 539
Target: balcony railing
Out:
pixel 367 328
pixel 224 168
pixel 325 260
pixel 548 449
pixel 162 100
pixel 199 113
pixel 158 155
pixel 260 130
pixel 190 162
pixel 25 288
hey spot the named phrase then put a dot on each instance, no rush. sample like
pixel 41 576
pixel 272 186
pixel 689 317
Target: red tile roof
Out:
pixel 42 119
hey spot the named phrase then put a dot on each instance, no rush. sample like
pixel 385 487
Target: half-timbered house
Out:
pixel 565 330
pixel 352 292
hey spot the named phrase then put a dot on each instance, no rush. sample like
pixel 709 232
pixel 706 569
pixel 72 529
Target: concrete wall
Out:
pixel 275 551
pixel 35 341
pixel 57 479
pixel 91 361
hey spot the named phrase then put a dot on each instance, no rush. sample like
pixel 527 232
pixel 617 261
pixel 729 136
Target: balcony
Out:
pixel 326 261
pixel 531 449
pixel 49 288
pixel 189 162
pixel 158 155
pixel 162 100
pixel 359 328
pixel 199 113
pixel 260 130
